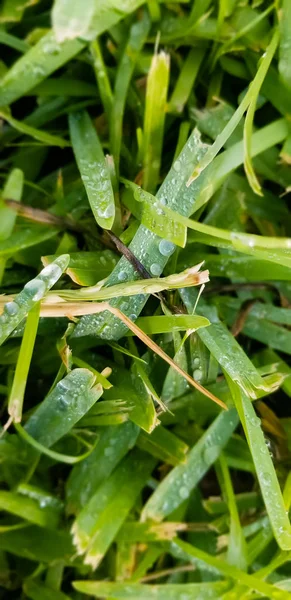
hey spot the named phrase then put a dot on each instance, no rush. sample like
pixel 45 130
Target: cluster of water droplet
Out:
pixel 14 312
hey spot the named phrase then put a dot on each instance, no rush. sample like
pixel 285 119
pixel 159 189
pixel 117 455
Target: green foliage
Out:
pixel 145 246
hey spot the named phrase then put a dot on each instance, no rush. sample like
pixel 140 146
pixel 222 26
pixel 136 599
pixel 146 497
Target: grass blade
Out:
pixel 93 168
pixel 266 474
pixel 177 486
pixel 155 110
pixel 14 312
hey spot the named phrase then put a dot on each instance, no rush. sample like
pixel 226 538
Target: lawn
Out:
pixel 145 322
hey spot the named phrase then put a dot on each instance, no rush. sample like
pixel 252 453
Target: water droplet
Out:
pixel 266 479
pixel 108 451
pixel 51 271
pixel 107 212
pixel 156 269
pixel 166 248
pixel 177 166
pixel 122 276
pixel 124 306
pixel 35 288
pixel 184 492
pixel 11 308
pixel 196 361
pixel 133 317
pixel 197 374
pixel 210 454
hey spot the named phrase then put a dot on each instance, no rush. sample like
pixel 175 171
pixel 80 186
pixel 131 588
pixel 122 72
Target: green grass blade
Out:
pixel 284 50
pixel 12 190
pixel 39 591
pixel 251 581
pixel 57 456
pixel 38 63
pixel 14 312
pixel 266 474
pixel 186 80
pixel 70 20
pixel 154 119
pixel 28 509
pixel 93 168
pixel 112 445
pixel 16 396
pixel 175 591
pixel 237 550
pixel 136 39
pixel 177 486
pixel 102 78
pixel 42 136
pixel 97 524
pixel 71 398
pixel 248 126
pixel 235 119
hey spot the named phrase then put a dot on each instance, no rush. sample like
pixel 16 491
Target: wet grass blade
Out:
pixel 178 484
pixel 284 50
pixel 266 474
pixel 235 119
pixel 71 398
pixel 98 522
pixel 175 591
pixel 93 168
pixel 14 312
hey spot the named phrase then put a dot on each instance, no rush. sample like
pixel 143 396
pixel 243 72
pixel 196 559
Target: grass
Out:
pixel 145 268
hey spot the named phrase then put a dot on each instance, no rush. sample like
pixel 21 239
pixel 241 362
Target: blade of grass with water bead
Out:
pixel 86 477
pixel 39 591
pixel 136 39
pixel 70 400
pixel 154 119
pixel 175 591
pixel 232 572
pixel 148 248
pixel 45 57
pixel 14 312
pixel 42 136
pixel 28 509
pixel 86 268
pixel 16 396
pixel 93 168
pixel 151 214
pixel 230 159
pixel 70 20
pixel 99 521
pixel 235 119
pixel 227 350
pixel 178 484
pixel 237 550
pixel 104 15
pixel 248 125
pixel 266 473
pixel 13 189
pixel 262 330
